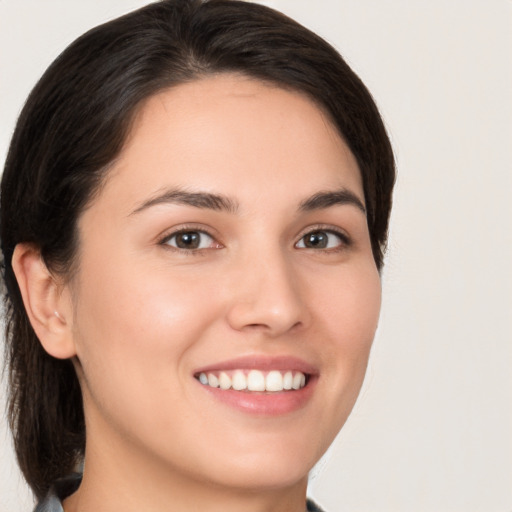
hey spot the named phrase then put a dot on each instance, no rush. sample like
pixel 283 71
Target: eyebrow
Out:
pixel 327 199
pixel 219 202
pixel 207 200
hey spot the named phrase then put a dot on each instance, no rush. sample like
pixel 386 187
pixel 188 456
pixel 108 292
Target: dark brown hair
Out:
pixel 74 124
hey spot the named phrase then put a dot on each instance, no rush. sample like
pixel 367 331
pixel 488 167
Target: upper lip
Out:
pixel 261 362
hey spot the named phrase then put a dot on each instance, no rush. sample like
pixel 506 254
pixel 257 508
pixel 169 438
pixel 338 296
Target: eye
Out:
pixel 322 239
pixel 190 240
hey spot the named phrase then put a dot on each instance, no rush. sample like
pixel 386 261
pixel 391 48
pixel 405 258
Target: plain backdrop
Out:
pixel 432 430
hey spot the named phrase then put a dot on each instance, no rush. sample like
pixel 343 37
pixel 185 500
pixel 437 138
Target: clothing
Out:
pixel 60 490
pixel 66 486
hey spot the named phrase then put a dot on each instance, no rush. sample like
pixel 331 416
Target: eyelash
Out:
pixel 344 240
pixel 164 241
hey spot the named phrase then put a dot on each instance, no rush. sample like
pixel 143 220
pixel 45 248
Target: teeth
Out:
pixel 239 381
pixel 288 380
pixel 298 381
pixel 274 381
pixel 254 380
pixel 212 380
pixel 224 381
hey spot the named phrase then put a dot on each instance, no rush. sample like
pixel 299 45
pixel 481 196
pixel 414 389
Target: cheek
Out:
pixel 350 305
pixel 132 322
pixel 129 302
pixel 350 314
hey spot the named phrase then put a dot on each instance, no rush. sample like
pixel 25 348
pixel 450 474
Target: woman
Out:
pixel 194 212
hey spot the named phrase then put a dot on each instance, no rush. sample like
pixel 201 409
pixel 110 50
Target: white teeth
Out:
pixel 239 381
pixel 297 381
pixel 213 381
pixel 288 380
pixel 224 381
pixel 274 381
pixel 255 380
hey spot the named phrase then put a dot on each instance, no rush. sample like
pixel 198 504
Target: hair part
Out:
pixel 73 126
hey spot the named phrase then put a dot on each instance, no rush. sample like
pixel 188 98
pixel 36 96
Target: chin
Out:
pixel 257 474
pixel 270 463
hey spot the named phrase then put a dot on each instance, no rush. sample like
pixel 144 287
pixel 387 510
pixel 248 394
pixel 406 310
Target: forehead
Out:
pixel 228 133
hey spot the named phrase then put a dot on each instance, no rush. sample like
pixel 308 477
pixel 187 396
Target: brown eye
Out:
pixel 322 239
pixel 190 240
pixel 316 240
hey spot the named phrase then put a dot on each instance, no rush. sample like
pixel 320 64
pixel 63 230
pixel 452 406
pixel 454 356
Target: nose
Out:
pixel 267 296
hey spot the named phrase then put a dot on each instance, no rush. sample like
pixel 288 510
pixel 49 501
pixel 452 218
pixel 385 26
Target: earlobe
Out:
pixel 46 302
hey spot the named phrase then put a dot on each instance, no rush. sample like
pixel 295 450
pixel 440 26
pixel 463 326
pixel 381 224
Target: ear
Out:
pixel 47 302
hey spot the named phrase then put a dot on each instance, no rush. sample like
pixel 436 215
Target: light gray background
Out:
pixel 432 430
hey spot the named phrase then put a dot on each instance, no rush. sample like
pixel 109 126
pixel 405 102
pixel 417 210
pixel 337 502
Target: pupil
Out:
pixel 187 240
pixel 316 240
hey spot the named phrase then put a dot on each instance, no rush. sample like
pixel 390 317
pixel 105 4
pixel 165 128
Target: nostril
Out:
pixel 273 327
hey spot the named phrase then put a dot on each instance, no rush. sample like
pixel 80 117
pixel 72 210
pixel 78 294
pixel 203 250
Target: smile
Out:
pixel 262 385
pixel 273 381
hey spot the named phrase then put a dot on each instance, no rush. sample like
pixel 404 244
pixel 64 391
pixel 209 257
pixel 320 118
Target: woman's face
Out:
pixel 229 246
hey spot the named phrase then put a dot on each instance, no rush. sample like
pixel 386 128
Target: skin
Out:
pixel 140 316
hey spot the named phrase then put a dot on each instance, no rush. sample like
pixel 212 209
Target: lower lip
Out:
pixel 261 403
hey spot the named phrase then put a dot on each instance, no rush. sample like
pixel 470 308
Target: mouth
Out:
pixel 254 380
pixel 268 386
